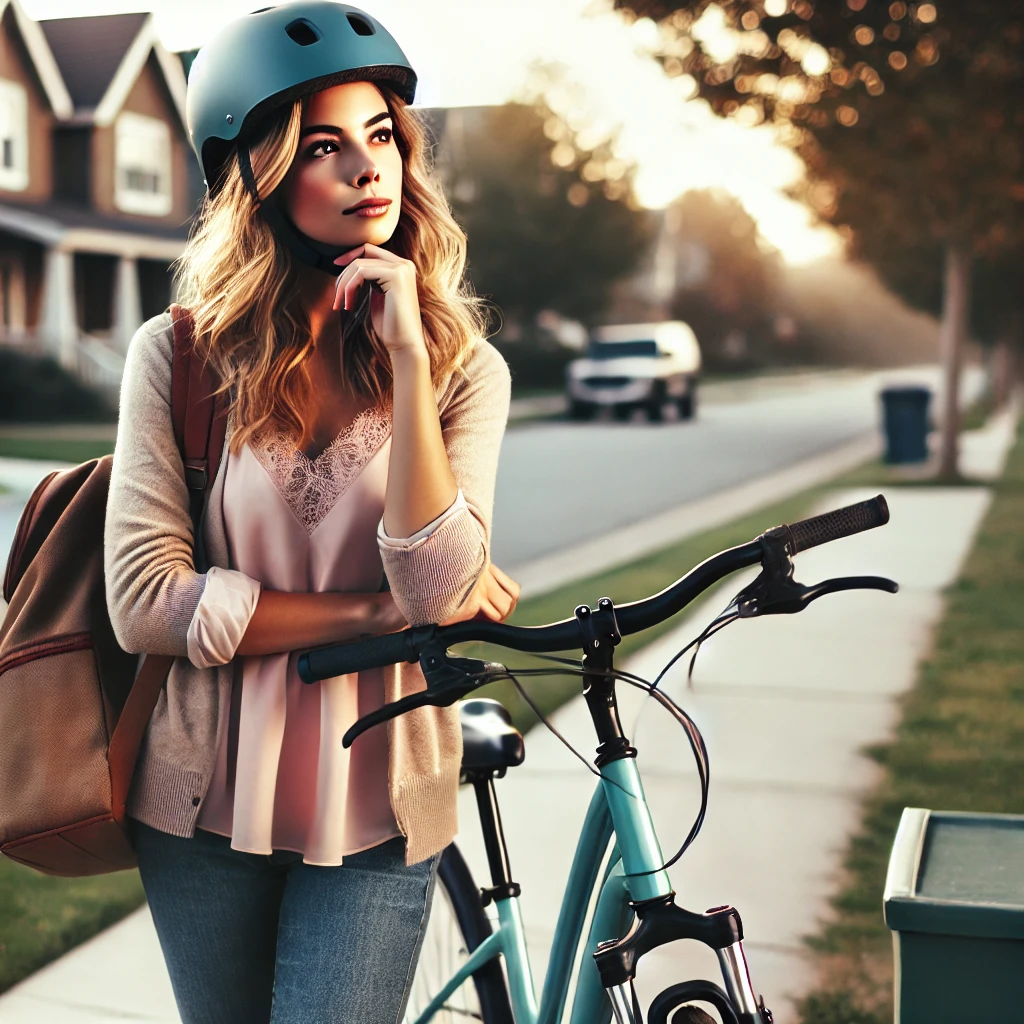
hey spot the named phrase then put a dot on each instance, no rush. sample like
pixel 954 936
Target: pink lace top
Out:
pixel 281 779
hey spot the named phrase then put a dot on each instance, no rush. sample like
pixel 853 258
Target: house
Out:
pixel 96 184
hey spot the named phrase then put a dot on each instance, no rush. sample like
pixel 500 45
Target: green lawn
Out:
pixel 43 917
pixel 960 746
pixel 631 582
pixel 49 449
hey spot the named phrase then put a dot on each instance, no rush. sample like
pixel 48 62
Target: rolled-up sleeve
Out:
pixel 432 572
pixel 152 588
pixel 457 507
pixel 221 617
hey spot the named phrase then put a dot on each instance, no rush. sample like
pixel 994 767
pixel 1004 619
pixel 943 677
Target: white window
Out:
pixel 13 136
pixel 142 165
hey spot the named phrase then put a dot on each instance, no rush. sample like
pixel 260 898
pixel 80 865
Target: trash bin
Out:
pixel 905 417
pixel 954 899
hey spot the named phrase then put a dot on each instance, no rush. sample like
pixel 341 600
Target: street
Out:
pixel 562 483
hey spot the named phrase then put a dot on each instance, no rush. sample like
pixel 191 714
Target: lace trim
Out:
pixel 312 487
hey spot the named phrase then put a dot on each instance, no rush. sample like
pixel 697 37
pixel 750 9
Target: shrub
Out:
pixel 36 389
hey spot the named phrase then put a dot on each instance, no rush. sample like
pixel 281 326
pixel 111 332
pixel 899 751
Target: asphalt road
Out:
pixel 561 483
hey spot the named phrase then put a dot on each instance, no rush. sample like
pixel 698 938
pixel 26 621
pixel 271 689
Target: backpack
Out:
pixel 73 710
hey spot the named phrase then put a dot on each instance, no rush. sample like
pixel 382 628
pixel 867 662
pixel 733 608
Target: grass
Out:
pixel 630 582
pixel 53 450
pixel 960 746
pixel 42 917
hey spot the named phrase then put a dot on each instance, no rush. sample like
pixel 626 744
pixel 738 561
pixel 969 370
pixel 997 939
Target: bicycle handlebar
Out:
pixel 843 522
pixel 391 648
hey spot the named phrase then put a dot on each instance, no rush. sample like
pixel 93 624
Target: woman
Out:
pixel 290 879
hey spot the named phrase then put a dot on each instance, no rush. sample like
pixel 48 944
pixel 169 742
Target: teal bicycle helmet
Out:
pixel 268 59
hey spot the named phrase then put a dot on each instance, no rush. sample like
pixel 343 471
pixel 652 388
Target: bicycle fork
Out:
pixel 659 921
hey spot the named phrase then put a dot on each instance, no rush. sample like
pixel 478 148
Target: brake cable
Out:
pixel 693 734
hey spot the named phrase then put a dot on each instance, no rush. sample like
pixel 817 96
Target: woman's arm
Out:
pixel 434 454
pixel 420 481
pixel 152 588
pixel 289 622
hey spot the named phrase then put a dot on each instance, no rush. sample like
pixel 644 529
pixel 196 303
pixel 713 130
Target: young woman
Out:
pixel 289 878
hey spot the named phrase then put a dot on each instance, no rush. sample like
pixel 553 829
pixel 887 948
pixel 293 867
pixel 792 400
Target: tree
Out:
pixel 726 277
pixel 905 115
pixel 550 226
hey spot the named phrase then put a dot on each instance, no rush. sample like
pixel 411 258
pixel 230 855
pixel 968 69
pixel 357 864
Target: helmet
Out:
pixel 267 59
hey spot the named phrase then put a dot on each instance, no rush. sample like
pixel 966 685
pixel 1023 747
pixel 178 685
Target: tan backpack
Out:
pixel 72 709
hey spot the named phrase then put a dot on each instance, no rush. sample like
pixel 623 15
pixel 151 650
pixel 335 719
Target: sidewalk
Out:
pixel 785 705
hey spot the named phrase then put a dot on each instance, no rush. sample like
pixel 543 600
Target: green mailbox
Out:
pixel 954 899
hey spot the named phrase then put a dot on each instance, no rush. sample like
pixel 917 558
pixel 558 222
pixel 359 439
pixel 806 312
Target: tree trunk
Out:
pixel 955 306
pixel 1004 363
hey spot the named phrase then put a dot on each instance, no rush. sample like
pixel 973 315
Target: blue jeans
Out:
pixel 254 939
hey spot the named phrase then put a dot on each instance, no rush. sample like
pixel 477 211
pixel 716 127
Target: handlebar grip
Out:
pixel 843 522
pixel 339 660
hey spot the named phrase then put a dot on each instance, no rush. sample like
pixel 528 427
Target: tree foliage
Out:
pixel 726 277
pixel 548 228
pixel 906 114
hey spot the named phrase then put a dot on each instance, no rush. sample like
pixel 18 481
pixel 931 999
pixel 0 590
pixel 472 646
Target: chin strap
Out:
pixel 302 247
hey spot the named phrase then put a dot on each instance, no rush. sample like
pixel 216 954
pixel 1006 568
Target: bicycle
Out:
pixel 618 859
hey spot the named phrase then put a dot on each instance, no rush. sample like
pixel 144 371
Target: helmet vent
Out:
pixel 361 26
pixel 302 32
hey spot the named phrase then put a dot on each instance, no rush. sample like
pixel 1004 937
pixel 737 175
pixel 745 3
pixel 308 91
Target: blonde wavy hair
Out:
pixel 241 285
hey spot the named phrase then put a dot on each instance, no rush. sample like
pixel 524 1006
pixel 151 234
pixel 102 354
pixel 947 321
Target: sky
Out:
pixel 481 51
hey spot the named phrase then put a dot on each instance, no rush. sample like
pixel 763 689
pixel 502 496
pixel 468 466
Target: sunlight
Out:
pixel 472 52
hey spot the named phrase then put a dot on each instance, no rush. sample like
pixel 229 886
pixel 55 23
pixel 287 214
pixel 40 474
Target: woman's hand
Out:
pixel 394 303
pixel 494 597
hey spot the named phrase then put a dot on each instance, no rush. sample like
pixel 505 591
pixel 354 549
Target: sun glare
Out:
pixel 613 85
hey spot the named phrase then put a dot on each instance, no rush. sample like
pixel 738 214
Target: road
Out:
pixel 562 483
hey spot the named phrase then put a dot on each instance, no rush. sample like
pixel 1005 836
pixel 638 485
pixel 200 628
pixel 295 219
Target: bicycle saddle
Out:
pixel 490 742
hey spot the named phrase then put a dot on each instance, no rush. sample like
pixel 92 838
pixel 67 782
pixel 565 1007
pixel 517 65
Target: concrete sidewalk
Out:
pixel 785 704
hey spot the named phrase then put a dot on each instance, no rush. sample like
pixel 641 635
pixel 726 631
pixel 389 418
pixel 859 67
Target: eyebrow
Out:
pixel 333 129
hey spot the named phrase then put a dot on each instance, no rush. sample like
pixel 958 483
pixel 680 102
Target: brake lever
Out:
pixel 784 596
pixel 448 680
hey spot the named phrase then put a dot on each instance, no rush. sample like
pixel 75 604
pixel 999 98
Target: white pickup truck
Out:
pixel 629 366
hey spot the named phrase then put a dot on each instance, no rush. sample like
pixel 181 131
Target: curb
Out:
pixel 542 575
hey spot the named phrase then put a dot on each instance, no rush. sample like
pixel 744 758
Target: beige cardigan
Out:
pixel 153 590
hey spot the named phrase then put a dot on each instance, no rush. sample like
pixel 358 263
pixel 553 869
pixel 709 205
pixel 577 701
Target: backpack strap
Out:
pixel 200 425
pixel 200 422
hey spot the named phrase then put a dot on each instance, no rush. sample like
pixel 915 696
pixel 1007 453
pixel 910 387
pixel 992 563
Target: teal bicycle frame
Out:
pixel 633 874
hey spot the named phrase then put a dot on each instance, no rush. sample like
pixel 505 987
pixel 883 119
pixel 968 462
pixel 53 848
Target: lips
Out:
pixel 371 203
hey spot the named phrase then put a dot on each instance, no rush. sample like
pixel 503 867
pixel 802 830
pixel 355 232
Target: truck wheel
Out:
pixel 581 410
pixel 655 408
pixel 688 405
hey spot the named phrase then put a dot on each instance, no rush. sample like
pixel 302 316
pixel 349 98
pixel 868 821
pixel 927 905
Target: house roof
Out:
pixel 101 57
pixel 42 59
pixel 90 50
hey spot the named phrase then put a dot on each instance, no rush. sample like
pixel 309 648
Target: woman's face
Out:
pixel 347 155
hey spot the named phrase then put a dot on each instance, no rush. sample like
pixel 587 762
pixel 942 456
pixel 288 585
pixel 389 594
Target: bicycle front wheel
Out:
pixel 457 925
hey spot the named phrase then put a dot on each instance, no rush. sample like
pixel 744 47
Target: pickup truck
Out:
pixel 636 366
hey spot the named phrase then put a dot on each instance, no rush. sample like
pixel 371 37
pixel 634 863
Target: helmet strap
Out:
pixel 307 250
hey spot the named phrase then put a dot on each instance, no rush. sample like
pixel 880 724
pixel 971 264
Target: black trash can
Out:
pixel 905 418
